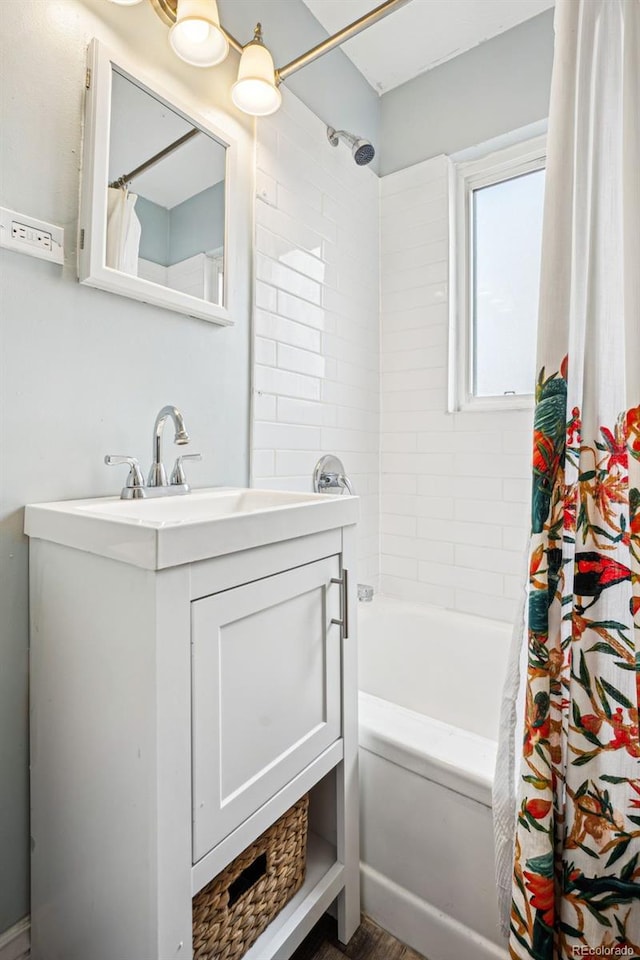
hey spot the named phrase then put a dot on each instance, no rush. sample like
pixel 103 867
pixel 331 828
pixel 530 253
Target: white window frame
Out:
pixel 466 176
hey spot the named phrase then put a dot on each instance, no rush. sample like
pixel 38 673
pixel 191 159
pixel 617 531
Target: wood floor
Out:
pixel 369 942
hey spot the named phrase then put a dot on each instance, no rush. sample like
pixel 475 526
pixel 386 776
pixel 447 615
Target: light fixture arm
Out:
pixel 237 46
pixel 378 13
pixel 166 10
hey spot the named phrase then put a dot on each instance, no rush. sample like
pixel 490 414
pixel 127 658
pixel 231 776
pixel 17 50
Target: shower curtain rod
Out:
pixel 127 177
pixel 337 39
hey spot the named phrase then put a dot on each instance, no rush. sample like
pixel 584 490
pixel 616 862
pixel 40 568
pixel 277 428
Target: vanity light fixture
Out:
pixel 198 37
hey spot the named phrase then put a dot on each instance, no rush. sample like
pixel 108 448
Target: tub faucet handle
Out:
pixel 329 476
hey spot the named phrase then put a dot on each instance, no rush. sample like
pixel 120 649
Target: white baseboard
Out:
pixel 419 924
pixel 15 943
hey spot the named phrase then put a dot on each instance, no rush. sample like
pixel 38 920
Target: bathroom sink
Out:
pixel 196 506
pixel 168 531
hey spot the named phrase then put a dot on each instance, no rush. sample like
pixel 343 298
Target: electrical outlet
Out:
pixel 33 237
pixel 37 238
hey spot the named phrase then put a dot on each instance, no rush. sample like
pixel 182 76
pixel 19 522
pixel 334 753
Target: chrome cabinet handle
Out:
pixel 177 474
pixel 344 602
pixel 135 478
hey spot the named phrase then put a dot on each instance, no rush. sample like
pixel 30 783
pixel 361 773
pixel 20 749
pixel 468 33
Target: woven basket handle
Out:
pixel 247 879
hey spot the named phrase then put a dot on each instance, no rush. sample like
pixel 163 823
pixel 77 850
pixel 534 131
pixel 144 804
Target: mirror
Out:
pixel 166 203
pixel 165 200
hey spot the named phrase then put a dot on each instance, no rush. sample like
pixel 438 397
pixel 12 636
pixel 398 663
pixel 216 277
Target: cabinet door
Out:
pixel 266 692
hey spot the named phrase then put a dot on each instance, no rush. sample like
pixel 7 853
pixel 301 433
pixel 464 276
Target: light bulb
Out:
pixel 195 31
pixel 256 97
pixel 196 36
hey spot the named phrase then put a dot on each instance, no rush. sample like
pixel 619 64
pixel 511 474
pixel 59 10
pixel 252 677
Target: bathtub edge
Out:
pixel 419 924
pixel 397 734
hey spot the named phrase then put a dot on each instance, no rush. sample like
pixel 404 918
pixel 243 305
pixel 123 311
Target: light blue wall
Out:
pixel 494 88
pixel 194 226
pixel 197 225
pixel 84 372
pixel 154 238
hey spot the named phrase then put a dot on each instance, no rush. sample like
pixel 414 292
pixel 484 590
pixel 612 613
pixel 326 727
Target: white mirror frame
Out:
pixel 92 269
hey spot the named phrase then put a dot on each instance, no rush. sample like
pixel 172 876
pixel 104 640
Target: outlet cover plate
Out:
pixel 33 237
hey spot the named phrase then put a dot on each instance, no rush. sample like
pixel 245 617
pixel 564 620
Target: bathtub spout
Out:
pixel 365 593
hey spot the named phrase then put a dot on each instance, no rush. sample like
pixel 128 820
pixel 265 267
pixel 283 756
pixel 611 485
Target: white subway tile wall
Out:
pixel 454 487
pixel 444 497
pixel 317 315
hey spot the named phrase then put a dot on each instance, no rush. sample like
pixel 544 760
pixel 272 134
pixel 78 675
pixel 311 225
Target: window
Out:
pixel 496 250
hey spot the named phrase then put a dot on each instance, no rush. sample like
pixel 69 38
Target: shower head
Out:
pixel 362 150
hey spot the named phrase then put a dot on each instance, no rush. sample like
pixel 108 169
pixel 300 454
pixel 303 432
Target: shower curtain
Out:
pixel 571 842
pixel 123 231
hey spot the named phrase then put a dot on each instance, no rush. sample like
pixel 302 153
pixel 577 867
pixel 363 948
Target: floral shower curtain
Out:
pixel 575 883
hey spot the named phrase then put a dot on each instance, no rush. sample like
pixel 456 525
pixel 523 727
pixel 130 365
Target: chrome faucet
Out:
pixel 157 484
pixel 157 474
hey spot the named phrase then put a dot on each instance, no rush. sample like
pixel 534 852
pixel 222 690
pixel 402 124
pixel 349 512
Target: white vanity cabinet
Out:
pixel 177 710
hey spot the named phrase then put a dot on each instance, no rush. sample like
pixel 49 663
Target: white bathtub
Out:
pixel 430 682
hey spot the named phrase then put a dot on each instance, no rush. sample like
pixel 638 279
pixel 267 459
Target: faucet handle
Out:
pixel 177 474
pixel 135 480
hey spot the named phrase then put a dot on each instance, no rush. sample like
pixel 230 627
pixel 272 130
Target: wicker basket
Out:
pixel 230 913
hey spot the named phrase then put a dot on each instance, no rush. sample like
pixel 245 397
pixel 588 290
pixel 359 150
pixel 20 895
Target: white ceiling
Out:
pixel 420 35
pixel 141 126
